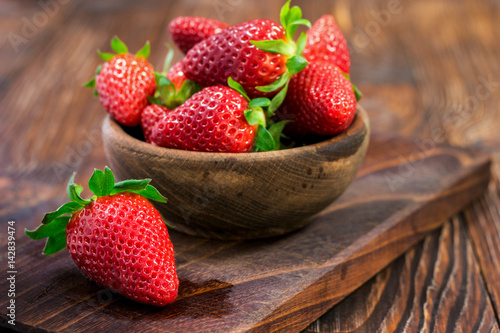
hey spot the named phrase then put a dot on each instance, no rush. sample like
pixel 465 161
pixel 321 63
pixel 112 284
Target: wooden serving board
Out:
pixel 405 189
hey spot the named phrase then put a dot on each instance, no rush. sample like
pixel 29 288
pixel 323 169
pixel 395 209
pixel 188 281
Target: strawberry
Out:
pixel 116 238
pixel 124 82
pixel 211 120
pixel 149 117
pixel 320 101
pixel 218 119
pixel 326 42
pixel 176 75
pixel 258 54
pixel 187 31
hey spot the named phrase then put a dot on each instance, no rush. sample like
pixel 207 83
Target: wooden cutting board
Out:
pixel 405 189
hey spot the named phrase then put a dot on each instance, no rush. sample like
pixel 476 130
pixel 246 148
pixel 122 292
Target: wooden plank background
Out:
pixel 429 69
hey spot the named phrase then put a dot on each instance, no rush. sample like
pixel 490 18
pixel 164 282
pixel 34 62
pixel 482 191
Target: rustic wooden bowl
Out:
pixel 241 196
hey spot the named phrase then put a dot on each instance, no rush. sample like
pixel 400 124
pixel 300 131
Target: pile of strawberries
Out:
pixel 238 88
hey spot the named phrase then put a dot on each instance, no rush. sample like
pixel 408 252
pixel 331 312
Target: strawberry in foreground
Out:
pixel 124 82
pixel 187 31
pixel 259 54
pixel 320 101
pixel 116 238
pixel 325 42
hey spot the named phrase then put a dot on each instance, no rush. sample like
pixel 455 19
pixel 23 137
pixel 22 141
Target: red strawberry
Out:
pixel 259 54
pixel 187 31
pixel 116 238
pixel 211 120
pixel 176 74
pixel 124 82
pixel 230 54
pixel 320 101
pixel 149 117
pixel 325 42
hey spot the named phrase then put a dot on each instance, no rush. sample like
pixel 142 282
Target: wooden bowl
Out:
pixel 241 196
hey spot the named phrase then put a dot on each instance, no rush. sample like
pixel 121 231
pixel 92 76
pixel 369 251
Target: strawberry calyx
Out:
pixel 268 131
pixel 167 94
pixel 120 48
pixel 290 19
pixel 101 183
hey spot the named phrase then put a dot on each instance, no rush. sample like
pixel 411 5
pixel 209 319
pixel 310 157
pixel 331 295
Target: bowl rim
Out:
pixel 110 128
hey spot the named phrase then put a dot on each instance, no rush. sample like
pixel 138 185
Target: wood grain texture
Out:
pixel 435 287
pixel 242 196
pixel 445 74
pixel 481 220
pixel 419 70
pixel 277 284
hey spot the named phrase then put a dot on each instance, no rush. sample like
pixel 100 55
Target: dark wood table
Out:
pixel 429 69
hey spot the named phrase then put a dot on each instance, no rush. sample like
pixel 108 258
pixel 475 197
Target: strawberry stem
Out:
pixel 168 59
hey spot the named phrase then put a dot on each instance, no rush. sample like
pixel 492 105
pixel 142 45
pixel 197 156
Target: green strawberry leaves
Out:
pixel 118 46
pixel 255 116
pixel 278 100
pixel 264 140
pixel 105 55
pixel 238 87
pixel 149 192
pixel 296 63
pixel 168 95
pixel 290 19
pixel 91 83
pixel 259 101
pixel 277 84
pixel 301 43
pixel 74 192
pixel 275 46
pixel 144 52
pixel 276 130
pixel 55 232
pixel 101 183
pixel 67 208
pixel 260 110
pixel 167 63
